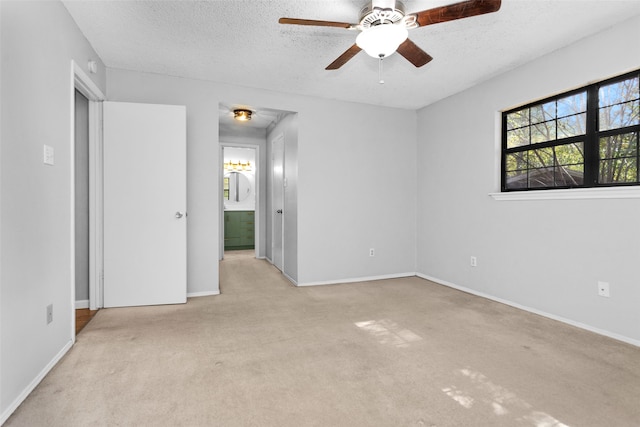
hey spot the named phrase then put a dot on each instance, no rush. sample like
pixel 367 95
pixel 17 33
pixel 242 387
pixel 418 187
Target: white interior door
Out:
pixel 145 223
pixel 277 201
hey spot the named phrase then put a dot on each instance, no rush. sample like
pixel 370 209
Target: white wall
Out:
pixel 544 255
pixel 339 144
pixel 38 42
pixel 357 191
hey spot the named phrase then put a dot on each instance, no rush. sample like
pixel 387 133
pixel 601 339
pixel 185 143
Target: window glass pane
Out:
pixel 517 161
pixel 518 119
pixel 518 137
pixel 543 132
pixel 569 175
pixel 517 179
pixel 621 115
pixel 572 125
pixel 542 177
pixel 543 112
pixel 541 158
pixel 572 104
pixel 624 145
pixel 570 154
pixel 619 92
pixel 618 170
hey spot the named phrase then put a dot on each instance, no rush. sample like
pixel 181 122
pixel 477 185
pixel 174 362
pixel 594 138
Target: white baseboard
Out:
pixel 27 391
pixel 202 294
pixel 534 311
pixel 289 278
pixel 358 279
pixel 83 303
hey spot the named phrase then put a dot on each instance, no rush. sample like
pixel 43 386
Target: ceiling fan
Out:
pixel 384 26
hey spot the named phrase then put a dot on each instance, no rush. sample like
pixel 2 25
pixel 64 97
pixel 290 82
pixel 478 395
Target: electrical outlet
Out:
pixel 372 252
pixel 474 261
pixel 49 313
pixel 603 289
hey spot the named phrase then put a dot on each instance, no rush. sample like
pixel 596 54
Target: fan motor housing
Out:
pixel 371 16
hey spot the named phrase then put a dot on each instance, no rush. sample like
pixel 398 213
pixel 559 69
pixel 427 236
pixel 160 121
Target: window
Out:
pixel 584 138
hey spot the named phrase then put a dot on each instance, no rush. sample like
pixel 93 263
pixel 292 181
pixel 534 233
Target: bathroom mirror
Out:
pixel 237 187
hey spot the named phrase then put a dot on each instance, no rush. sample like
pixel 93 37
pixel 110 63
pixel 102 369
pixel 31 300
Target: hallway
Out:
pixel 241 272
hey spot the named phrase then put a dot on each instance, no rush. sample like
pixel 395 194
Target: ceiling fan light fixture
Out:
pixel 242 115
pixel 382 40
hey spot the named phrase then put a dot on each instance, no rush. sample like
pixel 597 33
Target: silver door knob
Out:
pixel 180 214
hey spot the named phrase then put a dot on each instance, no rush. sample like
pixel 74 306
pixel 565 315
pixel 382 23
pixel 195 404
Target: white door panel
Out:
pixel 277 183
pixel 144 187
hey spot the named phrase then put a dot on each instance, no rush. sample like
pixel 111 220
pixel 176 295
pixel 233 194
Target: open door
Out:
pixel 145 219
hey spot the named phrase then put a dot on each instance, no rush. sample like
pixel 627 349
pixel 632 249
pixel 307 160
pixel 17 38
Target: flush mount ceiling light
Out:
pixel 242 115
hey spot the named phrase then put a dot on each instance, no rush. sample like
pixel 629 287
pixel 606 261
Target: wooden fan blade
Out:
pixel 295 21
pixel 342 59
pixel 413 53
pixel 455 11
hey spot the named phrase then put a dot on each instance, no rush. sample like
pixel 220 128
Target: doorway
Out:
pixel 240 198
pixel 81 202
pixel 86 194
pixel 262 127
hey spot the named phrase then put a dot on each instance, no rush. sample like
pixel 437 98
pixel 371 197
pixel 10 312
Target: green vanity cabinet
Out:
pixel 239 230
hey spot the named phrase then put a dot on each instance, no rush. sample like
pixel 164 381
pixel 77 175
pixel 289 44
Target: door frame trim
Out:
pixel 82 82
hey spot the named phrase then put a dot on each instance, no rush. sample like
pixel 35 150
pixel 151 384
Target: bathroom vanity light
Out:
pixel 237 166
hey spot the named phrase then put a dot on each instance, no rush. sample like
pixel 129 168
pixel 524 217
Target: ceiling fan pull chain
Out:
pixel 380 79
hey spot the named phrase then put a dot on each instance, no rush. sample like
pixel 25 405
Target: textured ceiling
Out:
pixel 240 42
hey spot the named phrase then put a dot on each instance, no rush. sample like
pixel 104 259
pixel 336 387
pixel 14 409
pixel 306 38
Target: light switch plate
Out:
pixel 48 155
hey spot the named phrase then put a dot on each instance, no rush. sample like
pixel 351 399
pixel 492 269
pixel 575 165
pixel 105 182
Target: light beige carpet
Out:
pixel 402 352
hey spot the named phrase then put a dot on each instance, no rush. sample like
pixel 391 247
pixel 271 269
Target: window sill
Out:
pixel 570 194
